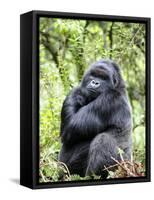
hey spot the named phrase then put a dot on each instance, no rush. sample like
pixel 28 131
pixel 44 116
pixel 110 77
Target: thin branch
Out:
pixel 130 44
pixel 110 167
pixel 111 38
pixel 132 40
pixel 42 176
pixel 65 166
pixel 46 43
pixel 61 163
pixel 125 168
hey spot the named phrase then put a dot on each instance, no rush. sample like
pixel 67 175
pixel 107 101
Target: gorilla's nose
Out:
pixel 95 83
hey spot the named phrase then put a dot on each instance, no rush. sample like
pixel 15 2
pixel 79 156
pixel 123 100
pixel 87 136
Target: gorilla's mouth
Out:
pixel 93 92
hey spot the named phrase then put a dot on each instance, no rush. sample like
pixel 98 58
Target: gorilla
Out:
pixel 96 121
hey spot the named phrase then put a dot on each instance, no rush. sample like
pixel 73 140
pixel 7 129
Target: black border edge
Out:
pixel 26 100
pixel 148 99
pixel 35 99
pixel 90 16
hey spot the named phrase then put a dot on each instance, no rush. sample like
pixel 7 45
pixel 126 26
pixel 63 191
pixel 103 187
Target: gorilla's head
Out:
pixel 103 75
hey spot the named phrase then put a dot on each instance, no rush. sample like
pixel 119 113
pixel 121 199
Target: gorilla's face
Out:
pixel 101 76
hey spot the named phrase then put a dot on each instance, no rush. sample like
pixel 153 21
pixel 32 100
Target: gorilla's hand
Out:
pixel 87 96
pixel 83 97
pixel 81 100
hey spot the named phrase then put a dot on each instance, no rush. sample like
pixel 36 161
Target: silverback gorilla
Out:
pixel 96 121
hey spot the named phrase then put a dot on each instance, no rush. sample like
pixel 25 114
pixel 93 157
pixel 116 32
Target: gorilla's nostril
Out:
pixel 94 83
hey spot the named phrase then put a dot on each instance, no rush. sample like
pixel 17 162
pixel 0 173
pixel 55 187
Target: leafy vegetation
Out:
pixel 67 48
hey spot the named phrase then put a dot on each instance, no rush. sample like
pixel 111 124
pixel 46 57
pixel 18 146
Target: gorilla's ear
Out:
pixel 117 80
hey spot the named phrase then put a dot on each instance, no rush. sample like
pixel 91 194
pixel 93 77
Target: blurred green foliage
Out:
pixel 67 48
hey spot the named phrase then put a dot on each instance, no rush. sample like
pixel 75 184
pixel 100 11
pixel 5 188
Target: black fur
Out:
pixel 95 121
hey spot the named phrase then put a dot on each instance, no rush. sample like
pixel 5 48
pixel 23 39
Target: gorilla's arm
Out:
pixel 81 121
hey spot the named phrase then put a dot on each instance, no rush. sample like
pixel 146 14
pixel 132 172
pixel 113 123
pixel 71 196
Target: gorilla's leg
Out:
pixel 75 157
pixel 102 148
